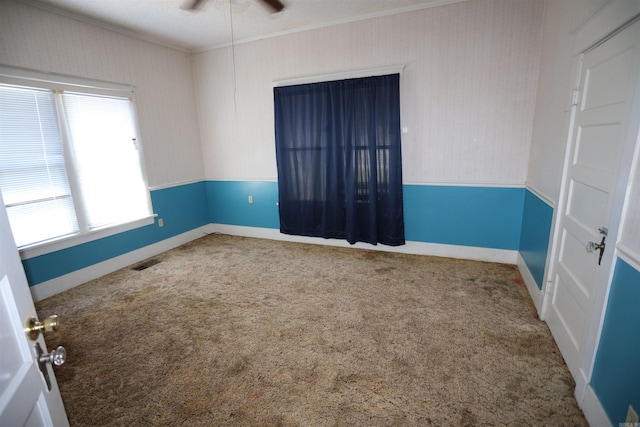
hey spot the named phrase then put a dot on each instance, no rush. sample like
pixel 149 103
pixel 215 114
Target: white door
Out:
pixel 600 129
pixel 25 398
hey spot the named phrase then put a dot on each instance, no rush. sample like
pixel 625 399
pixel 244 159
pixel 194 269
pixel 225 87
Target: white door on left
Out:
pixel 26 398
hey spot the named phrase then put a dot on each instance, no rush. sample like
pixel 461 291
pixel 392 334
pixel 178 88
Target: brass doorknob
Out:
pixel 34 327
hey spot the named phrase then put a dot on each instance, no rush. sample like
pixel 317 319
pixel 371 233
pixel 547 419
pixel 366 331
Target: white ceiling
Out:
pixel 166 22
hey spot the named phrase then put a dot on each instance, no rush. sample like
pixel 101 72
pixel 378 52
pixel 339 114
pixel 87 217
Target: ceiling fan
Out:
pixel 193 5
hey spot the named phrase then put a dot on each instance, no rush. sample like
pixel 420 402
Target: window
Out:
pixel 339 159
pixel 70 160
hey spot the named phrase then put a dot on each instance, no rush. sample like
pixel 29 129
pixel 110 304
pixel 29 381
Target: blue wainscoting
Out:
pixel 487 217
pixel 470 216
pixel 616 372
pixel 228 203
pixel 182 208
pixel 537 217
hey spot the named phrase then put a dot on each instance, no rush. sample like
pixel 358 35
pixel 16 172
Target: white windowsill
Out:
pixel 65 242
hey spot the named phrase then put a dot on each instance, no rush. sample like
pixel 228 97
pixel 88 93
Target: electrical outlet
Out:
pixel 250 199
pixel 632 417
pixel 160 222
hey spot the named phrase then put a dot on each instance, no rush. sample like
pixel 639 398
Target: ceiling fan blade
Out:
pixel 276 5
pixel 192 5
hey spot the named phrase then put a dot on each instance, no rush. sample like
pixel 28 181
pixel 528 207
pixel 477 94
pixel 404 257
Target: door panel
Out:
pixel 25 398
pixel 37 415
pixel 578 263
pixel 569 317
pixel 608 79
pixel 13 353
pixel 591 152
pixel 587 205
pixel 19 382
pixel 600 127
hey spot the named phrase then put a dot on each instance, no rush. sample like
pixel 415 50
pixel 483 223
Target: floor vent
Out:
pixel 146 265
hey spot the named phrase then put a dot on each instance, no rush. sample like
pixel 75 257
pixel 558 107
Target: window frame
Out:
pixel 60 84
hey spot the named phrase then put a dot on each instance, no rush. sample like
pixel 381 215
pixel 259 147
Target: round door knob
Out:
pixel 56 357
pixel 34 327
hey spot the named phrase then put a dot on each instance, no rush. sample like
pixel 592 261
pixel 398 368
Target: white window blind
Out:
pixel 103 140
pixel 32 168
pixel 70 162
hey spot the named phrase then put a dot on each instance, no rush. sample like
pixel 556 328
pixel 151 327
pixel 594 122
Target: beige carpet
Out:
pixel 237 331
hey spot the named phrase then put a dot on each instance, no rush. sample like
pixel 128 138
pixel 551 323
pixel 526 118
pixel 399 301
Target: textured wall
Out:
pixel 467 92
pixel 35 39
pixel 631 227
pixel 553 101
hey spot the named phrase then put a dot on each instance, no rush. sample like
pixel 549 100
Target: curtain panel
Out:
pixel 339 160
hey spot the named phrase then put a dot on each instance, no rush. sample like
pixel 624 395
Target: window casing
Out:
pixel 71 166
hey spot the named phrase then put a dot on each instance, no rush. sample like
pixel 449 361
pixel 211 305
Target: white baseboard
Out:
pixel 536 294
pixel 415 248
pixel 593 410
pixel 581 386
pixel 78 277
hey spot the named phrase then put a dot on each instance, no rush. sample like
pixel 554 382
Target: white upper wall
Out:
pixel 555 90
pixel 467 91
pixel 165 100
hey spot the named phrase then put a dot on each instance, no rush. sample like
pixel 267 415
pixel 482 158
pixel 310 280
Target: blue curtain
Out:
pixel 339 160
